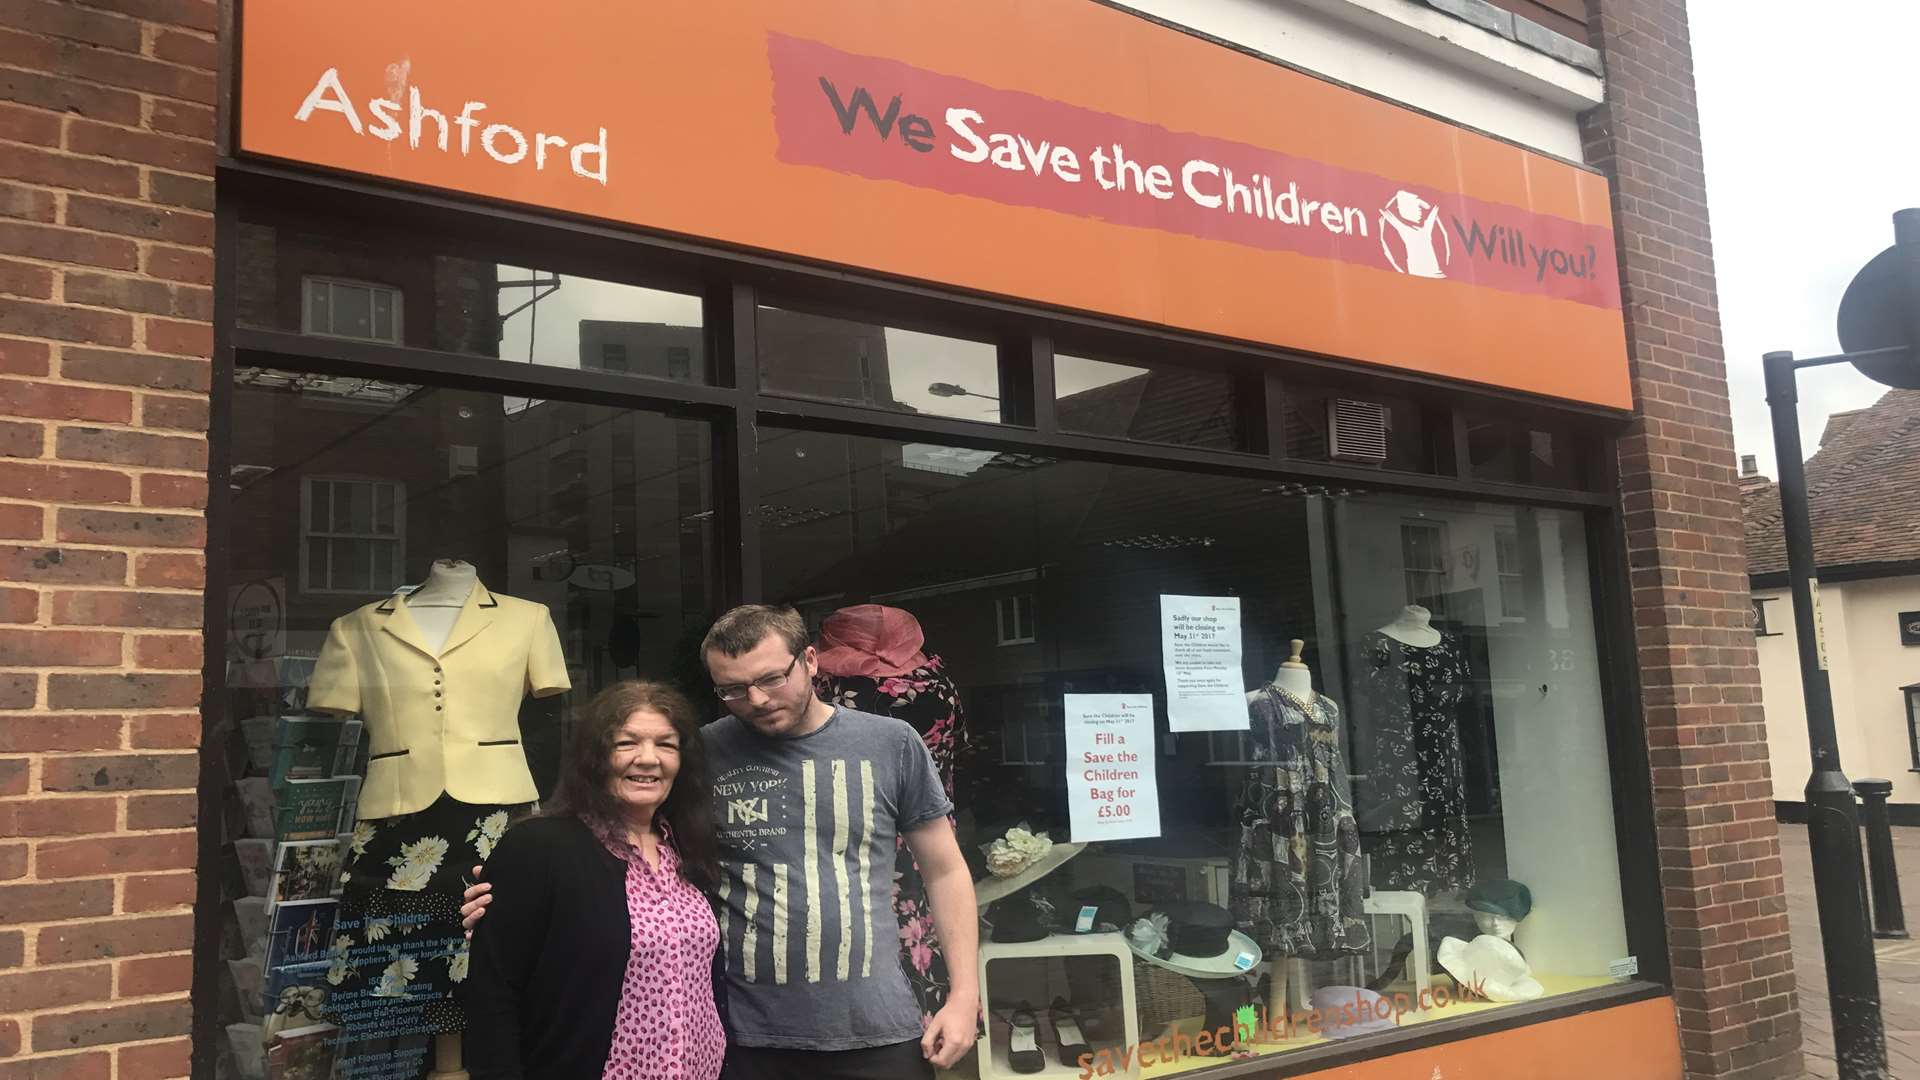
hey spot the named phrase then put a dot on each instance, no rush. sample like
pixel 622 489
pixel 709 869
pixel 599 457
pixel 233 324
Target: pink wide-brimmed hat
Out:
pixel 872 640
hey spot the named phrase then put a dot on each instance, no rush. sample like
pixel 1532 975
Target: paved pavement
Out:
pixel 1899 960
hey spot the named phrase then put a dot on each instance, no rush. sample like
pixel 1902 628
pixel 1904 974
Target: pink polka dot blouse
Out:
pixel 667 1027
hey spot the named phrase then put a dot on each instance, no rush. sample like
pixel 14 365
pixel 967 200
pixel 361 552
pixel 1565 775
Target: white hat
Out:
pixel 1489 966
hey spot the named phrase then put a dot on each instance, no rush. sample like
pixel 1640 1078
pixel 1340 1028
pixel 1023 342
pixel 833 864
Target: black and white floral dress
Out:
pixel 1412 802
pixel 398 949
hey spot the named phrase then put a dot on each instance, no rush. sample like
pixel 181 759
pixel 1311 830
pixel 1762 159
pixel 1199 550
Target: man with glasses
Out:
pixel 808 798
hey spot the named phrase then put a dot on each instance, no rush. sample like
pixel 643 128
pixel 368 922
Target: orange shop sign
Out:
pixel 1640 1041
pixel 1065 153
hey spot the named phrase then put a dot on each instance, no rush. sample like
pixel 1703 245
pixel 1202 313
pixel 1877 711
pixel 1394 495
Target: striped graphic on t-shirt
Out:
pixel 810 923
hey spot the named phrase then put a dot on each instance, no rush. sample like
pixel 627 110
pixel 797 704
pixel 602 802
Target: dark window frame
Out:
pixel 1910 705
pixel 731 283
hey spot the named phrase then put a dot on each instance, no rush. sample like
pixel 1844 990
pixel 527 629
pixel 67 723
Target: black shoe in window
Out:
pixel 1023 1041
pixel 1067 1031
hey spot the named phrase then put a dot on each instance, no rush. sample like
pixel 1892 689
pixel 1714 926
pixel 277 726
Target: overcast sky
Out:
pixel 1810 148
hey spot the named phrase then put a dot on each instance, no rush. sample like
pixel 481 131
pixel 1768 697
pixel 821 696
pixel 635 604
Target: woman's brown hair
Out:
pixel 586 772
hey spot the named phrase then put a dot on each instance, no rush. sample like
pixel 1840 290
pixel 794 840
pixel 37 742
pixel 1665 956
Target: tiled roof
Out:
pixel 1863 487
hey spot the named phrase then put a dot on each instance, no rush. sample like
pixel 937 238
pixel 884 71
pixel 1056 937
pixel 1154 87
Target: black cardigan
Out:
pixel 549 959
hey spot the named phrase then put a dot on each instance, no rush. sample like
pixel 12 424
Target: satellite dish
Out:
pixel 1881 309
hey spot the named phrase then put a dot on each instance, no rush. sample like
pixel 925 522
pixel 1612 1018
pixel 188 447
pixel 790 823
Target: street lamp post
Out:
pixel 1880 329
pixel 1833 820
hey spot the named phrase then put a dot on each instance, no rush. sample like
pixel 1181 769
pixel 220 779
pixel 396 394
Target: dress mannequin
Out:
pixel 436 675
pixel 437 603
pixel 1294 676
pixel 1412 678
pixel 1308 904
pixel 1413 626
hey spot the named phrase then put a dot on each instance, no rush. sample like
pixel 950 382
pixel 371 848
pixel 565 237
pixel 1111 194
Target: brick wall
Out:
pixel 1719 847
pixel 106 267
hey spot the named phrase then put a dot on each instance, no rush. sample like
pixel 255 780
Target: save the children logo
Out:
pixel 1412 224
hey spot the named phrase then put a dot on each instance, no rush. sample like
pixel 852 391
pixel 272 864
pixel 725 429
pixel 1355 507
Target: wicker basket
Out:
pixel 1165 997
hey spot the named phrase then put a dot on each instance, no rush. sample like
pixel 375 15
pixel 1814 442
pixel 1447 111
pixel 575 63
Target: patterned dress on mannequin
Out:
pixel 1413 803
pixel 1297 886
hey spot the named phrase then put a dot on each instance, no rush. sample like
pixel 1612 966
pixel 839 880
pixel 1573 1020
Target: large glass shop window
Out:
pixel 424 582
pixel 1242 767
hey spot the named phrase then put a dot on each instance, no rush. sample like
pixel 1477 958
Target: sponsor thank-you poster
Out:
pixel 1200 647
pixel 1111 790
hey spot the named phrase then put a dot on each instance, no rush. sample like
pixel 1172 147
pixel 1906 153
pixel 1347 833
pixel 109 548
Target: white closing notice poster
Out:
pixel 1112 793
pixel 1200 648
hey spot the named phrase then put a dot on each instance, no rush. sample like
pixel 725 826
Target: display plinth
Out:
pixel 993 1056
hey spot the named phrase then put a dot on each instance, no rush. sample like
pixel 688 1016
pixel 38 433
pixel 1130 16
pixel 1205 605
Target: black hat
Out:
pixel 1195 929
pixel 1024 916
pixel 1112 911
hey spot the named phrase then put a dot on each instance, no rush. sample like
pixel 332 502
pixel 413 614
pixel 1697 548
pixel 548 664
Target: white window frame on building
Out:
pixel 1510 572
pixel 309 533
pixel 309 319
pixel 1014 619
pixel 1435 600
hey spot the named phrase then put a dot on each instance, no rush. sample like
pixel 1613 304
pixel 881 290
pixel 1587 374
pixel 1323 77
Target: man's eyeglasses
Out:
pixel 766 684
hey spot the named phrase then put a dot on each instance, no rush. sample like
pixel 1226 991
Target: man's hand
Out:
pixel 477 897
pixel 952 1031
pixel 956 924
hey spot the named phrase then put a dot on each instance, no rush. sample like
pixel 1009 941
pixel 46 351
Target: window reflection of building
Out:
pixel 658 350
pixel 826 357
pixel 610 506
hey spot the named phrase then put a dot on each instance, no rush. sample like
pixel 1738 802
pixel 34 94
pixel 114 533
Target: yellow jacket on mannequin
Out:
pixel 445 721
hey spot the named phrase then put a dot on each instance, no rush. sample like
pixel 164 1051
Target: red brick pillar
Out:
pixel 106 267
pixel 1719 848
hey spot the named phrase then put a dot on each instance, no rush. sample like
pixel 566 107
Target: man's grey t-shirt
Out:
pixel 807 828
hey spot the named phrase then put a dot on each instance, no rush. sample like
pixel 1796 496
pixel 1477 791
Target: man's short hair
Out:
pixel 740 630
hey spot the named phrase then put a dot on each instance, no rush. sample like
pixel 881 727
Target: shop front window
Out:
pixel 1312 765
pixel 1242 763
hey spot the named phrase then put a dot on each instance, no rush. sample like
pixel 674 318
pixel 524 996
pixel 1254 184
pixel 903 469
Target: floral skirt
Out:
pixel 398 950
pixel 921 959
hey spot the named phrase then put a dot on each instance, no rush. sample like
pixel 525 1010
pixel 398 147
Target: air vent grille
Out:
pixel 1357 430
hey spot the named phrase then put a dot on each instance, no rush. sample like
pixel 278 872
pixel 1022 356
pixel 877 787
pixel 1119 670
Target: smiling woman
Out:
pixel 607 922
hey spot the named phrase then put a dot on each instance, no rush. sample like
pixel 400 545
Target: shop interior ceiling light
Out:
pixel 1019 461
pixel 375 390
pixel 1158 542
pixel 1294 490
pixel 786 517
